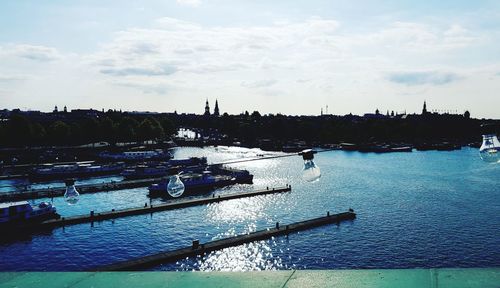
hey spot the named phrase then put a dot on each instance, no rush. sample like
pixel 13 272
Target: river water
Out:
pixel 419 209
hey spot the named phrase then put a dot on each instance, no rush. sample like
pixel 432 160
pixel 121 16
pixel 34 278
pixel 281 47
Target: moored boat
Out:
pixel 204 181
pixel 157 170
pixel 22 213
pixel 78 170
pixel 157 154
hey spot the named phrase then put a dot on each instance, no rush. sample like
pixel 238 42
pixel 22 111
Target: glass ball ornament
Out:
pixel 175 187
pixel 311 171
pixel 71 196
pixel 490 149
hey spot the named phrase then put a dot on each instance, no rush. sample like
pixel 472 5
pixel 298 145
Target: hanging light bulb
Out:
pixel 175 187
pixel 490 149
pixel 71 196
pixel 311 171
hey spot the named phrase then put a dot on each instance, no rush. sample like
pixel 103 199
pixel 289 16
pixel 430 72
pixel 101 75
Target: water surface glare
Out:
pixel 420 209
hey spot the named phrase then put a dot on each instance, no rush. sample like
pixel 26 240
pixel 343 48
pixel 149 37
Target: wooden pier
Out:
pixel 82 189
pixel 13 176
pixel 147 209
pixel 200 249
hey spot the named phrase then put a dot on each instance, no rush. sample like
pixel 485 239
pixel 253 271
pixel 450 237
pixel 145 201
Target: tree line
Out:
pixel 20 131
pixel 248 128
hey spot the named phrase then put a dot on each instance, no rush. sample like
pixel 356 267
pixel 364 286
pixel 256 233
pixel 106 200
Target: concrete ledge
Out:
pixel 472 277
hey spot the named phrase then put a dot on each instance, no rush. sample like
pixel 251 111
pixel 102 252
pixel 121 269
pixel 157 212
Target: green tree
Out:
pixel 59 133
pixel 146 130
pixel 20 131
pixel 107 130
pixel 127 129
pixel 39 133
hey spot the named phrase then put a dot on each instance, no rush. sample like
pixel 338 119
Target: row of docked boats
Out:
pixel 81 170
pixel 49 172
pixel 160 169
pixel 375 148
pixel 388 148
pixel 130 156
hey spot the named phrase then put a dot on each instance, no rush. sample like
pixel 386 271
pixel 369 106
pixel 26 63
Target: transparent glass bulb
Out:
pixel 175 187
pixel 311 172
pixel 490 149
pixel 71 196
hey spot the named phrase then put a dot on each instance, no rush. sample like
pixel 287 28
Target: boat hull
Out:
pixel 160 190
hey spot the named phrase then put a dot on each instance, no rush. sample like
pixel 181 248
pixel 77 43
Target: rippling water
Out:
pixel 420 209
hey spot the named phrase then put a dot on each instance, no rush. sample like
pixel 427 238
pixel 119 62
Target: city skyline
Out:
pixel 280 57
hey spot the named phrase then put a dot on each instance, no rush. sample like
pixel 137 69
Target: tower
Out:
pixel 424 110
pixel 207 109
pixel 216 108
pixel 55 109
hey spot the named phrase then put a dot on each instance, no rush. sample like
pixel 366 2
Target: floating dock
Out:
pixel 82 189
pixel 199 249
pixel 13 176
pixel 147 209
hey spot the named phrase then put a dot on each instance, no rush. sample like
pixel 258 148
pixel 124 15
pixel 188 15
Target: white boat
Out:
pixel 21 212
pixel 78 170
pixel 137 155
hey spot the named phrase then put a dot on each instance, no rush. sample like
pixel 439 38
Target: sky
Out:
pixel 290 57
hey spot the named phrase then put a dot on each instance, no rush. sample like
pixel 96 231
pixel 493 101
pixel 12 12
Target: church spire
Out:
pixel 424 110
pixel 216 108
pixel 207 109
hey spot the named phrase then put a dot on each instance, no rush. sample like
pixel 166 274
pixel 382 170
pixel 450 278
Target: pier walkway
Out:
pixel 200 249
pixel 147 209
pixel 82 189
pixel 409 278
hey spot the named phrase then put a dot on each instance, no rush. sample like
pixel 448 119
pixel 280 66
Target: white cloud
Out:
pixel 192 3
pixel 423 77
pixel 31 52
pixel 259 83
pixel 154 71
pixel 177 62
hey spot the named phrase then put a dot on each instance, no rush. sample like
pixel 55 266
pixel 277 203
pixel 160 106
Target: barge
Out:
pixel 21 213
pixel 79 170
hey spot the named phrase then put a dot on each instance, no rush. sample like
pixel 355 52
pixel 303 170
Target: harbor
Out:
pixel 384 210
pixel 157 144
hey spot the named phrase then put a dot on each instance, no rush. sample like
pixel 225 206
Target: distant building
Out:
pixel 424 110
pixel 55 109
pixel 216 108
pixel 207 109
pixel 375 115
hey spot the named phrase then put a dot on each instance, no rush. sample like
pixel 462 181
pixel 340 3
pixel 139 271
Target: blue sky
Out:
pixel 291 57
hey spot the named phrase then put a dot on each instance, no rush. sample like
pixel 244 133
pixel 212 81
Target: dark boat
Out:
pixel 158 170
pixel 443 146
pixel 385 148
pixel 19 214
pixel 203 181
pixel 86 170
pixel 149 155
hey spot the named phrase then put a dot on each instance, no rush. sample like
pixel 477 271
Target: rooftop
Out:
pixel 470 277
